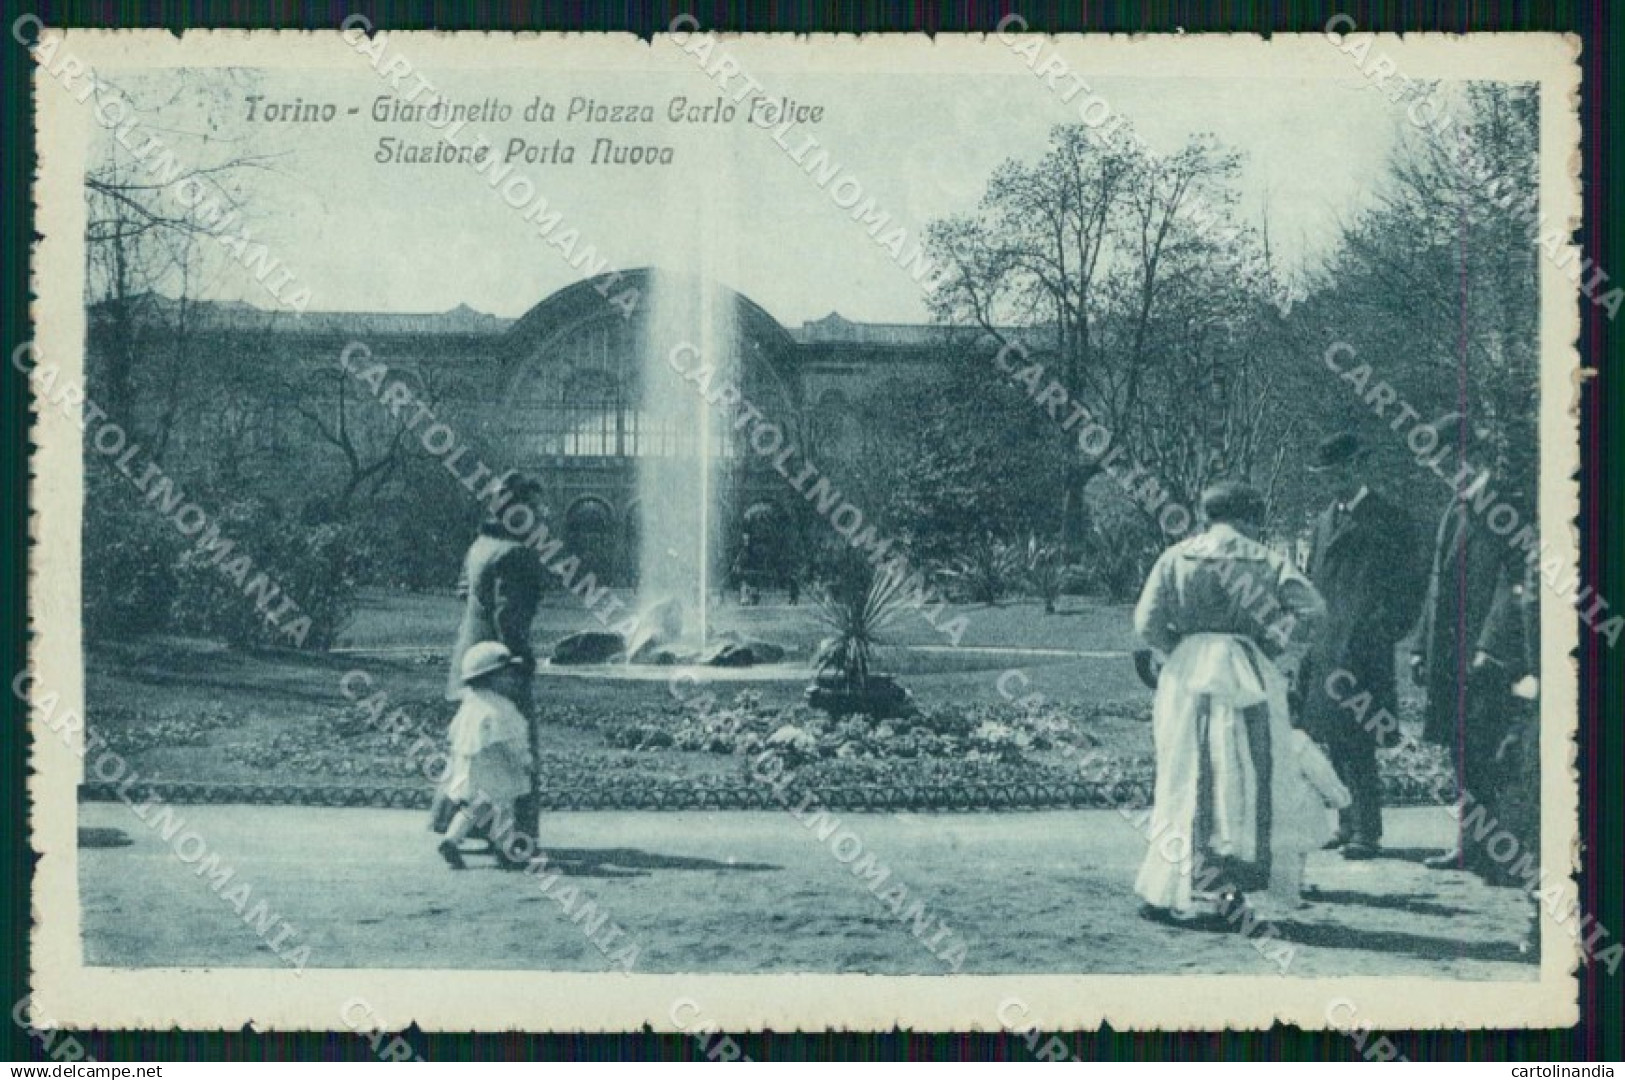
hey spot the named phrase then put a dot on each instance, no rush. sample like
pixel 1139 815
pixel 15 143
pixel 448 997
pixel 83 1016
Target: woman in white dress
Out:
pixel 1230 801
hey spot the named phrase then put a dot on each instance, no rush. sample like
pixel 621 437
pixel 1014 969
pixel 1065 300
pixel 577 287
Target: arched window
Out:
pixel 600 386
pixel 591 412
pixel 572 398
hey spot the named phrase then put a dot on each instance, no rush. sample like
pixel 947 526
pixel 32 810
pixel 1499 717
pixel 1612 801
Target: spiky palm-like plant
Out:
pixel 988 570
pixel 857 606
pixel 1045 572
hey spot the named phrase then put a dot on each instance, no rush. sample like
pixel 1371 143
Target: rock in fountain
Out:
pixel 730 650
pixel 661 639
pixel 588 647
pixel 659 635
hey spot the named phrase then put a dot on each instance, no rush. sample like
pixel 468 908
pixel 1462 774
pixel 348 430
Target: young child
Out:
pixel 490 752
pixel 1315 773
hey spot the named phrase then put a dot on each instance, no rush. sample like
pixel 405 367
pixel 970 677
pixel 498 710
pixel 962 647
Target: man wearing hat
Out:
pixel 1475 655
pixel 1366 561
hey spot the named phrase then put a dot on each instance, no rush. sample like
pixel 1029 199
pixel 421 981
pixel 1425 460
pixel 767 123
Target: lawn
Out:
pixel 187 710
pixel 396 620
pixel 183 710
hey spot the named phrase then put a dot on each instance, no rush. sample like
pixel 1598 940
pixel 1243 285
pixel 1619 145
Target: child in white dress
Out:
pixel 490 751
pixel 1314 771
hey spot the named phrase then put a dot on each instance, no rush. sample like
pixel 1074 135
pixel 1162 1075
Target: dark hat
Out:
pixel 519 485
pixel 1335 450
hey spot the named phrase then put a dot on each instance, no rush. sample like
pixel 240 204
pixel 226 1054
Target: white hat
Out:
pixel 484 657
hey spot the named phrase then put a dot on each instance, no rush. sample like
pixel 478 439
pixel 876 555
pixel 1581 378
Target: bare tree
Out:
pixel 1440 279
pixel 146 242
pixel 1129 267
pixel 371 439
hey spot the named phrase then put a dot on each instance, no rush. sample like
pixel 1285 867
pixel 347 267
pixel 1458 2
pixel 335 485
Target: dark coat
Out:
pixel 1479 599
pixel 503 583
pixel 1516 615
pixel 1371 568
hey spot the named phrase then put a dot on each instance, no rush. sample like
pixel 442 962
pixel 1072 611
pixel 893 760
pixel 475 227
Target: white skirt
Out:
pixel 1208 812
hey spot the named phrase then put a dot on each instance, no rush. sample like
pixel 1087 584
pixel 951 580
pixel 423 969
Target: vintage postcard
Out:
pixel 722 533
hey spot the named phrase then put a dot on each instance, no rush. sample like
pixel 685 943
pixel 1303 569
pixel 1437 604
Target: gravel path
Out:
pixel 753 892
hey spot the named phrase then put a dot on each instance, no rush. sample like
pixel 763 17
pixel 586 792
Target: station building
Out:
pixel 556 392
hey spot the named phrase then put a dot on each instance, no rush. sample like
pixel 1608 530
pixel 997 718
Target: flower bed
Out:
pixel 801 734
pixel 965 745
pixel 707 754
pixel 130 731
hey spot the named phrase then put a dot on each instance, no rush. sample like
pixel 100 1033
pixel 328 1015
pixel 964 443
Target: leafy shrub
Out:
pixel 128 565
pixel 856 605
pixel 228 581
pixel 422 533
pixel 985 574
pixel 237 597
pixel 1119 550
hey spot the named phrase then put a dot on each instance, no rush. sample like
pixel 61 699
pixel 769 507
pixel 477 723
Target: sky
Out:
pixel 364 236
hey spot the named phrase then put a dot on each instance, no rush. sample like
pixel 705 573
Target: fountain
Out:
pixel 685 438
pixel 684 442
pixel 686 451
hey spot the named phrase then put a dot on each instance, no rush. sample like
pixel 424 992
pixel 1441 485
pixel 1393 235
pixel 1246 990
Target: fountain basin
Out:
pixel 725 650
pixel 689 674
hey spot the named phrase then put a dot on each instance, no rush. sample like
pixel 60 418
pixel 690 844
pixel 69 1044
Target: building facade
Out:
pixel 558 392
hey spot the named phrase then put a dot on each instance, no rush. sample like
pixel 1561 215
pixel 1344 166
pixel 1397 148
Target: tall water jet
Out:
pixel 688 356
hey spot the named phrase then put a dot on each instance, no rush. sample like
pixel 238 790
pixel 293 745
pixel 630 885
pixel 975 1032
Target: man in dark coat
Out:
pixel 1518 798
pixel 1474 656
pixel 1367 562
